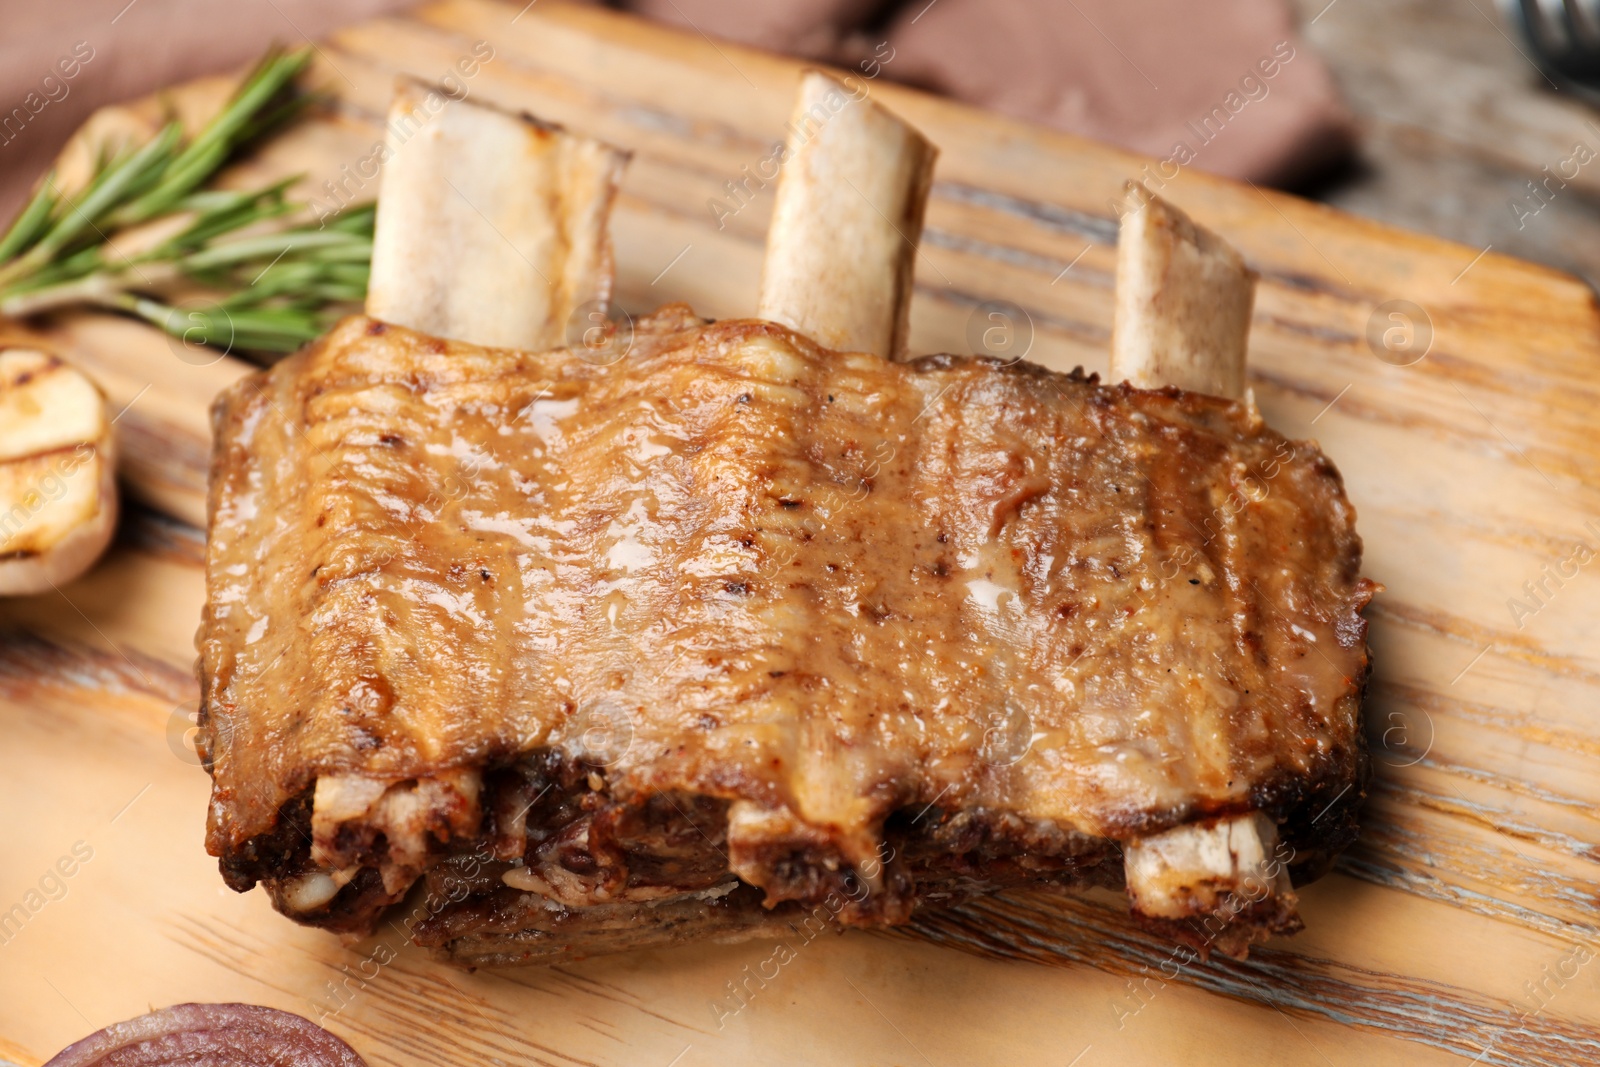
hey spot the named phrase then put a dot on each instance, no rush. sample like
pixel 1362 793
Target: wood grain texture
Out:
pixel 1463 925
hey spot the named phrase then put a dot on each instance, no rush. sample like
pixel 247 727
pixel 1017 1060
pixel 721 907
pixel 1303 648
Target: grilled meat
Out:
pixel 741 631
pixel 747 626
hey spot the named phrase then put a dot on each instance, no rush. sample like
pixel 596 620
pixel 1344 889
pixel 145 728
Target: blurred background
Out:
pixel 1430 114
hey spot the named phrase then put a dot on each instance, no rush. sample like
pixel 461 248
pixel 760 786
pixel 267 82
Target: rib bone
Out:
pixel 841 255
pixel 1183 302
pixel 491 229
pixel 843 240
pixel 1183 319
pixel 1228 866
pixel 491 226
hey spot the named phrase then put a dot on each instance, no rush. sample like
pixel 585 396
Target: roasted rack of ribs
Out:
pixel 593 645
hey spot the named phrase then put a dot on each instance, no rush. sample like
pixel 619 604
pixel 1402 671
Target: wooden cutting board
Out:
pixel 1463 925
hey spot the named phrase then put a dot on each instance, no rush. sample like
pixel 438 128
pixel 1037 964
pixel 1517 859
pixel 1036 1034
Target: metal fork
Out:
pixel 1564 36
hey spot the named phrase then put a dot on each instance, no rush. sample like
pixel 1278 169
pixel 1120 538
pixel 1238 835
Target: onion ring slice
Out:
pixel 211 1035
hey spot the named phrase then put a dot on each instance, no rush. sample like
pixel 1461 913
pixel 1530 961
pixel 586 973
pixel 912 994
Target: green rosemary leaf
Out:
pixel 181 177
pixel 73 216
pixel 358 219
pixel 268 330
pixel 352 274
pixel 33 220
pixel 81 214
pixel 300 283
pixel 274 71
pixel 277 285
pixel 280 114
pixel 355 250
pixel 236 212
pixel 80 263
pixel 264 245
pixel 213 144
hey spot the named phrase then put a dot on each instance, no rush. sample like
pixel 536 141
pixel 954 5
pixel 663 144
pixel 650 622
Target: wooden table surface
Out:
pixel 1463 925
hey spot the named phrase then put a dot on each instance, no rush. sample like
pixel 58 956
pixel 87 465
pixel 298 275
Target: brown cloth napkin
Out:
pixel 61 61
pixel 812 29
pixel 1224 85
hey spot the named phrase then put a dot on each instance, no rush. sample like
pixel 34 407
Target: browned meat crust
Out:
pixel 933 627
pixel 662 871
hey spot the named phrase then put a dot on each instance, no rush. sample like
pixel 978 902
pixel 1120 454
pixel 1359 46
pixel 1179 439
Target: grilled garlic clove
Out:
pixel 58 498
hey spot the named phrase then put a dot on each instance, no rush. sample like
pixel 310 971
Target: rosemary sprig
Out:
pixel 275 285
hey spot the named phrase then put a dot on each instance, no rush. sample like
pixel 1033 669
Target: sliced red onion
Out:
pixel 211 1035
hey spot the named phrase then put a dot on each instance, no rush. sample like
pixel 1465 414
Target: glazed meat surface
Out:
pixel 797 594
